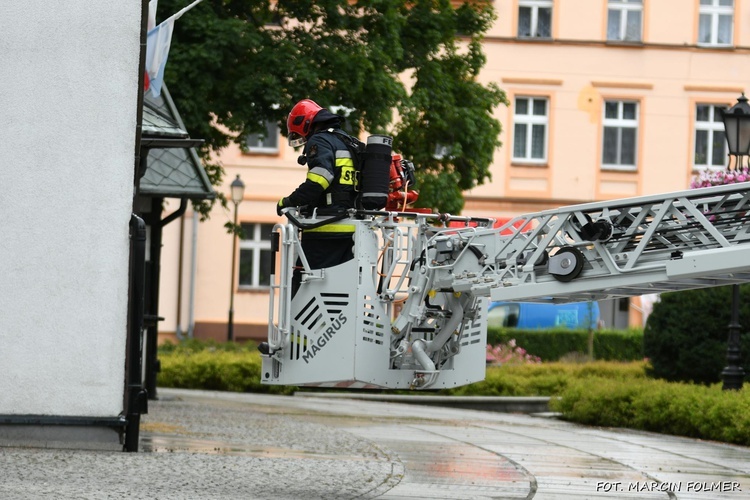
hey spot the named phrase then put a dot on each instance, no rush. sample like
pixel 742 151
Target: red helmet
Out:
pixel 299 121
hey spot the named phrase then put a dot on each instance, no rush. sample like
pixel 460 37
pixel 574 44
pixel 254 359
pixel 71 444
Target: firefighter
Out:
pixel 328 188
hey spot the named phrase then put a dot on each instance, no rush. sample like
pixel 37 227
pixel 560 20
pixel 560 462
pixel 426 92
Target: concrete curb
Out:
pixel 502 404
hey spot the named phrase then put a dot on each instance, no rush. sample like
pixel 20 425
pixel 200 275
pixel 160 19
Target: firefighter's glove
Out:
pixel 281 205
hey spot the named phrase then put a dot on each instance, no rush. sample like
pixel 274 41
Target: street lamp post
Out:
pixel 737 129
pixel 238 192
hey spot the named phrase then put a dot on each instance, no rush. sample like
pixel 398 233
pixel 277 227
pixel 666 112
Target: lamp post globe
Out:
pixel 737 127
pixel 237 188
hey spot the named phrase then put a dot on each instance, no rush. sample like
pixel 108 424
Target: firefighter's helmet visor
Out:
pixel 296 140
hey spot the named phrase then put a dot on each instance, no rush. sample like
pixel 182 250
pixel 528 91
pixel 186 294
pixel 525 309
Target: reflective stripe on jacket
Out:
pixel 329 186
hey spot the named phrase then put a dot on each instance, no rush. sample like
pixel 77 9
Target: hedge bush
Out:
pixel 553 345
pixel 212 366
pixel 547 379
pixel 613 394
pixel 190 346
pixel 659 406
pixel 686 334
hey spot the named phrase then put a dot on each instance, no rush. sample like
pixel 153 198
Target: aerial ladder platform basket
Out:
pixel 410 310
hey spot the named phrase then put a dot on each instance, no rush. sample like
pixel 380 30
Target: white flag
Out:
pixel 158 41
pixel 157 50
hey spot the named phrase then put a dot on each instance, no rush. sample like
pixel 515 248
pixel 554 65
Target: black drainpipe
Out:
pixel 152 296
pixel 136 397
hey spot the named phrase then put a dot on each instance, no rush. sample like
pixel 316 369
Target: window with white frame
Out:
pixel 530 124
pixel 266 142
pixel 624 20
pixel 255 255
pixel 620 135
pixel 535 18
pixel 710 144
pixel 715 22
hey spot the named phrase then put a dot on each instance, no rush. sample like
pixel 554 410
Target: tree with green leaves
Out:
pixel 685 337
pixel 406 69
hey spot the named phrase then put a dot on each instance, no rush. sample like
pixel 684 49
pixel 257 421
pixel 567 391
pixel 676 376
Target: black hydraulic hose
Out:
pixel 476 251
pixel 431 306
pixel 414 215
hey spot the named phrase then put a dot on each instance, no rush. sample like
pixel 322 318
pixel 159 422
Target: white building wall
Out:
pixel 68 102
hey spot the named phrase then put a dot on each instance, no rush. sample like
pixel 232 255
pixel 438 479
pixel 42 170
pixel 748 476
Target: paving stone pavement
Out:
pixel 203 445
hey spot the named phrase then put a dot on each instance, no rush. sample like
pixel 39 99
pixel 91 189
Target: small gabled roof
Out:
pixel 173 168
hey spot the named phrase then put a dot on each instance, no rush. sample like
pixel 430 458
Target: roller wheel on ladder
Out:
pixel 567 264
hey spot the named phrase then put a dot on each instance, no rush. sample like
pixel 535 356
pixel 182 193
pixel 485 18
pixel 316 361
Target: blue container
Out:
pixel 574 315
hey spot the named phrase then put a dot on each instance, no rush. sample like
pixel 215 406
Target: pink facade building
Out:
pixel 608 99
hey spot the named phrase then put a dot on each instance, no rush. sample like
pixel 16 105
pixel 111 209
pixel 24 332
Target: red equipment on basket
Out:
pixel 402 178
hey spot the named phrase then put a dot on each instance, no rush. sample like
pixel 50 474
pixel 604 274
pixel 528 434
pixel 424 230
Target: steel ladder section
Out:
pixel 675 241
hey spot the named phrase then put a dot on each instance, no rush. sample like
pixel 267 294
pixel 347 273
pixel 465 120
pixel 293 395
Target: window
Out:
pixel 530 130
pixel 715 22
pixel 623 304
pixel 267 142
pixel 624 20
pixel 620 132
pixel 710 145
pixel 535 18
pixel 442 152
pixel 255 255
